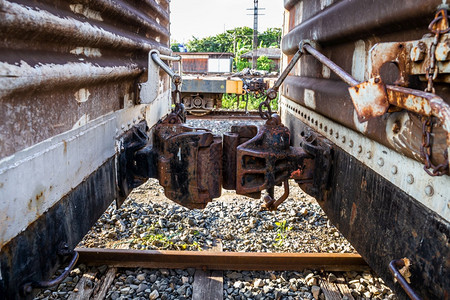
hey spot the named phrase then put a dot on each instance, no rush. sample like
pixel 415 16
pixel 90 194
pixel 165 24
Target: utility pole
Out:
pixel 255 31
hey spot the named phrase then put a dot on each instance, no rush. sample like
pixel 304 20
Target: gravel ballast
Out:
pixel 148 220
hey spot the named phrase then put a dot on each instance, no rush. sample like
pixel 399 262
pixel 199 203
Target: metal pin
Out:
pixel 381 162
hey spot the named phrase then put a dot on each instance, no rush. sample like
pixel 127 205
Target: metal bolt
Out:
pixel 381 162
pixel 418 52
pixel 350 143
pixel 410 179
pixel 429 191
pixel 343 139
pixel 443 51
pixel 359 149
pixel 394 170
pixel 369 154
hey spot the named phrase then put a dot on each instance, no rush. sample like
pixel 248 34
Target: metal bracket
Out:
pixel 148 90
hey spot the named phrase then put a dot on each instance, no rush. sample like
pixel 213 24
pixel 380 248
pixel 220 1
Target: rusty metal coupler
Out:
pixel 193 164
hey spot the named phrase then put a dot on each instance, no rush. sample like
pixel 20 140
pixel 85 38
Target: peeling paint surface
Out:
pixel 82 95
pixel 24 77
pixel 310 98
pixel 86 11
pixel 359 61
pixel 86 51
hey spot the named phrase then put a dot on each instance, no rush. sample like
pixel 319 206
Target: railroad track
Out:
pixel 209 276
pixel 226 114
pixel 217 260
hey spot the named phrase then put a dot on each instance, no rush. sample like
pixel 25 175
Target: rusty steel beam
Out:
pixel 222 260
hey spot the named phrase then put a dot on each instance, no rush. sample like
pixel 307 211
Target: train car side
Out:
pixel 73 82
pixel 378 193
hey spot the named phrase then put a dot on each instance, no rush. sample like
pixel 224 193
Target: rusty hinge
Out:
pixel 193 164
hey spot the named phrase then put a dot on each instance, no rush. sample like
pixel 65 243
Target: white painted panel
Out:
pixel 219 65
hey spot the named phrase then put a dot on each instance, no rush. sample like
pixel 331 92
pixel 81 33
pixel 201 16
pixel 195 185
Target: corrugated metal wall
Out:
pixel 64 61
pixel 69 87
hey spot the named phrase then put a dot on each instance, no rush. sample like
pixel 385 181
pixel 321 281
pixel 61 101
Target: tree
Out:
pixel 175 46
pixel 264 63
pixel 270 38
pixel 228 41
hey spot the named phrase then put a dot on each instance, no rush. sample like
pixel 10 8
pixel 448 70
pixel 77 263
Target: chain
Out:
pixel 425 150
pixel 266 115
pixel 438 26
pixel 179 109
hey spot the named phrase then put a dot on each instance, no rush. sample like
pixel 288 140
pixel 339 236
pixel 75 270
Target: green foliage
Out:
pixel 264 63
pixel 229 101
pixel 282 231
pixel 270 38
pixel 235 39
pixel 174 47
pixel 158 240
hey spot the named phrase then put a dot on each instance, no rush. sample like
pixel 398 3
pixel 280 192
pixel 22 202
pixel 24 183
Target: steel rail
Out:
pixel 211 260
pixel 226 114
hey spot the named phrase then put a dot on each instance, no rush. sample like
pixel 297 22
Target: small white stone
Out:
pixel 140 277
pixel 258 283
pixel 153 295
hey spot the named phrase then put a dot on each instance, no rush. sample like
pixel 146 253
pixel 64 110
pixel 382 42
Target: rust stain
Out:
pixel 65 147
pixel 39 196
pixel 396 127
pixel 363 184
pixel 353 214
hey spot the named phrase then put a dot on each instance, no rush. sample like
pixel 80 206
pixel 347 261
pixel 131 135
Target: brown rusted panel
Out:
pixel 195 65
pixel 68 62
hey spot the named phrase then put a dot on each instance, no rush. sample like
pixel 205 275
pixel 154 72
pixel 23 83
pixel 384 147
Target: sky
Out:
pixel 202 18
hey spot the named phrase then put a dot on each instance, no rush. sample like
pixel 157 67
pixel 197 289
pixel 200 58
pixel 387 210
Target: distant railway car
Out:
pixel 202 94
pixel 388 187
pixel 204 62
pixel 72 84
